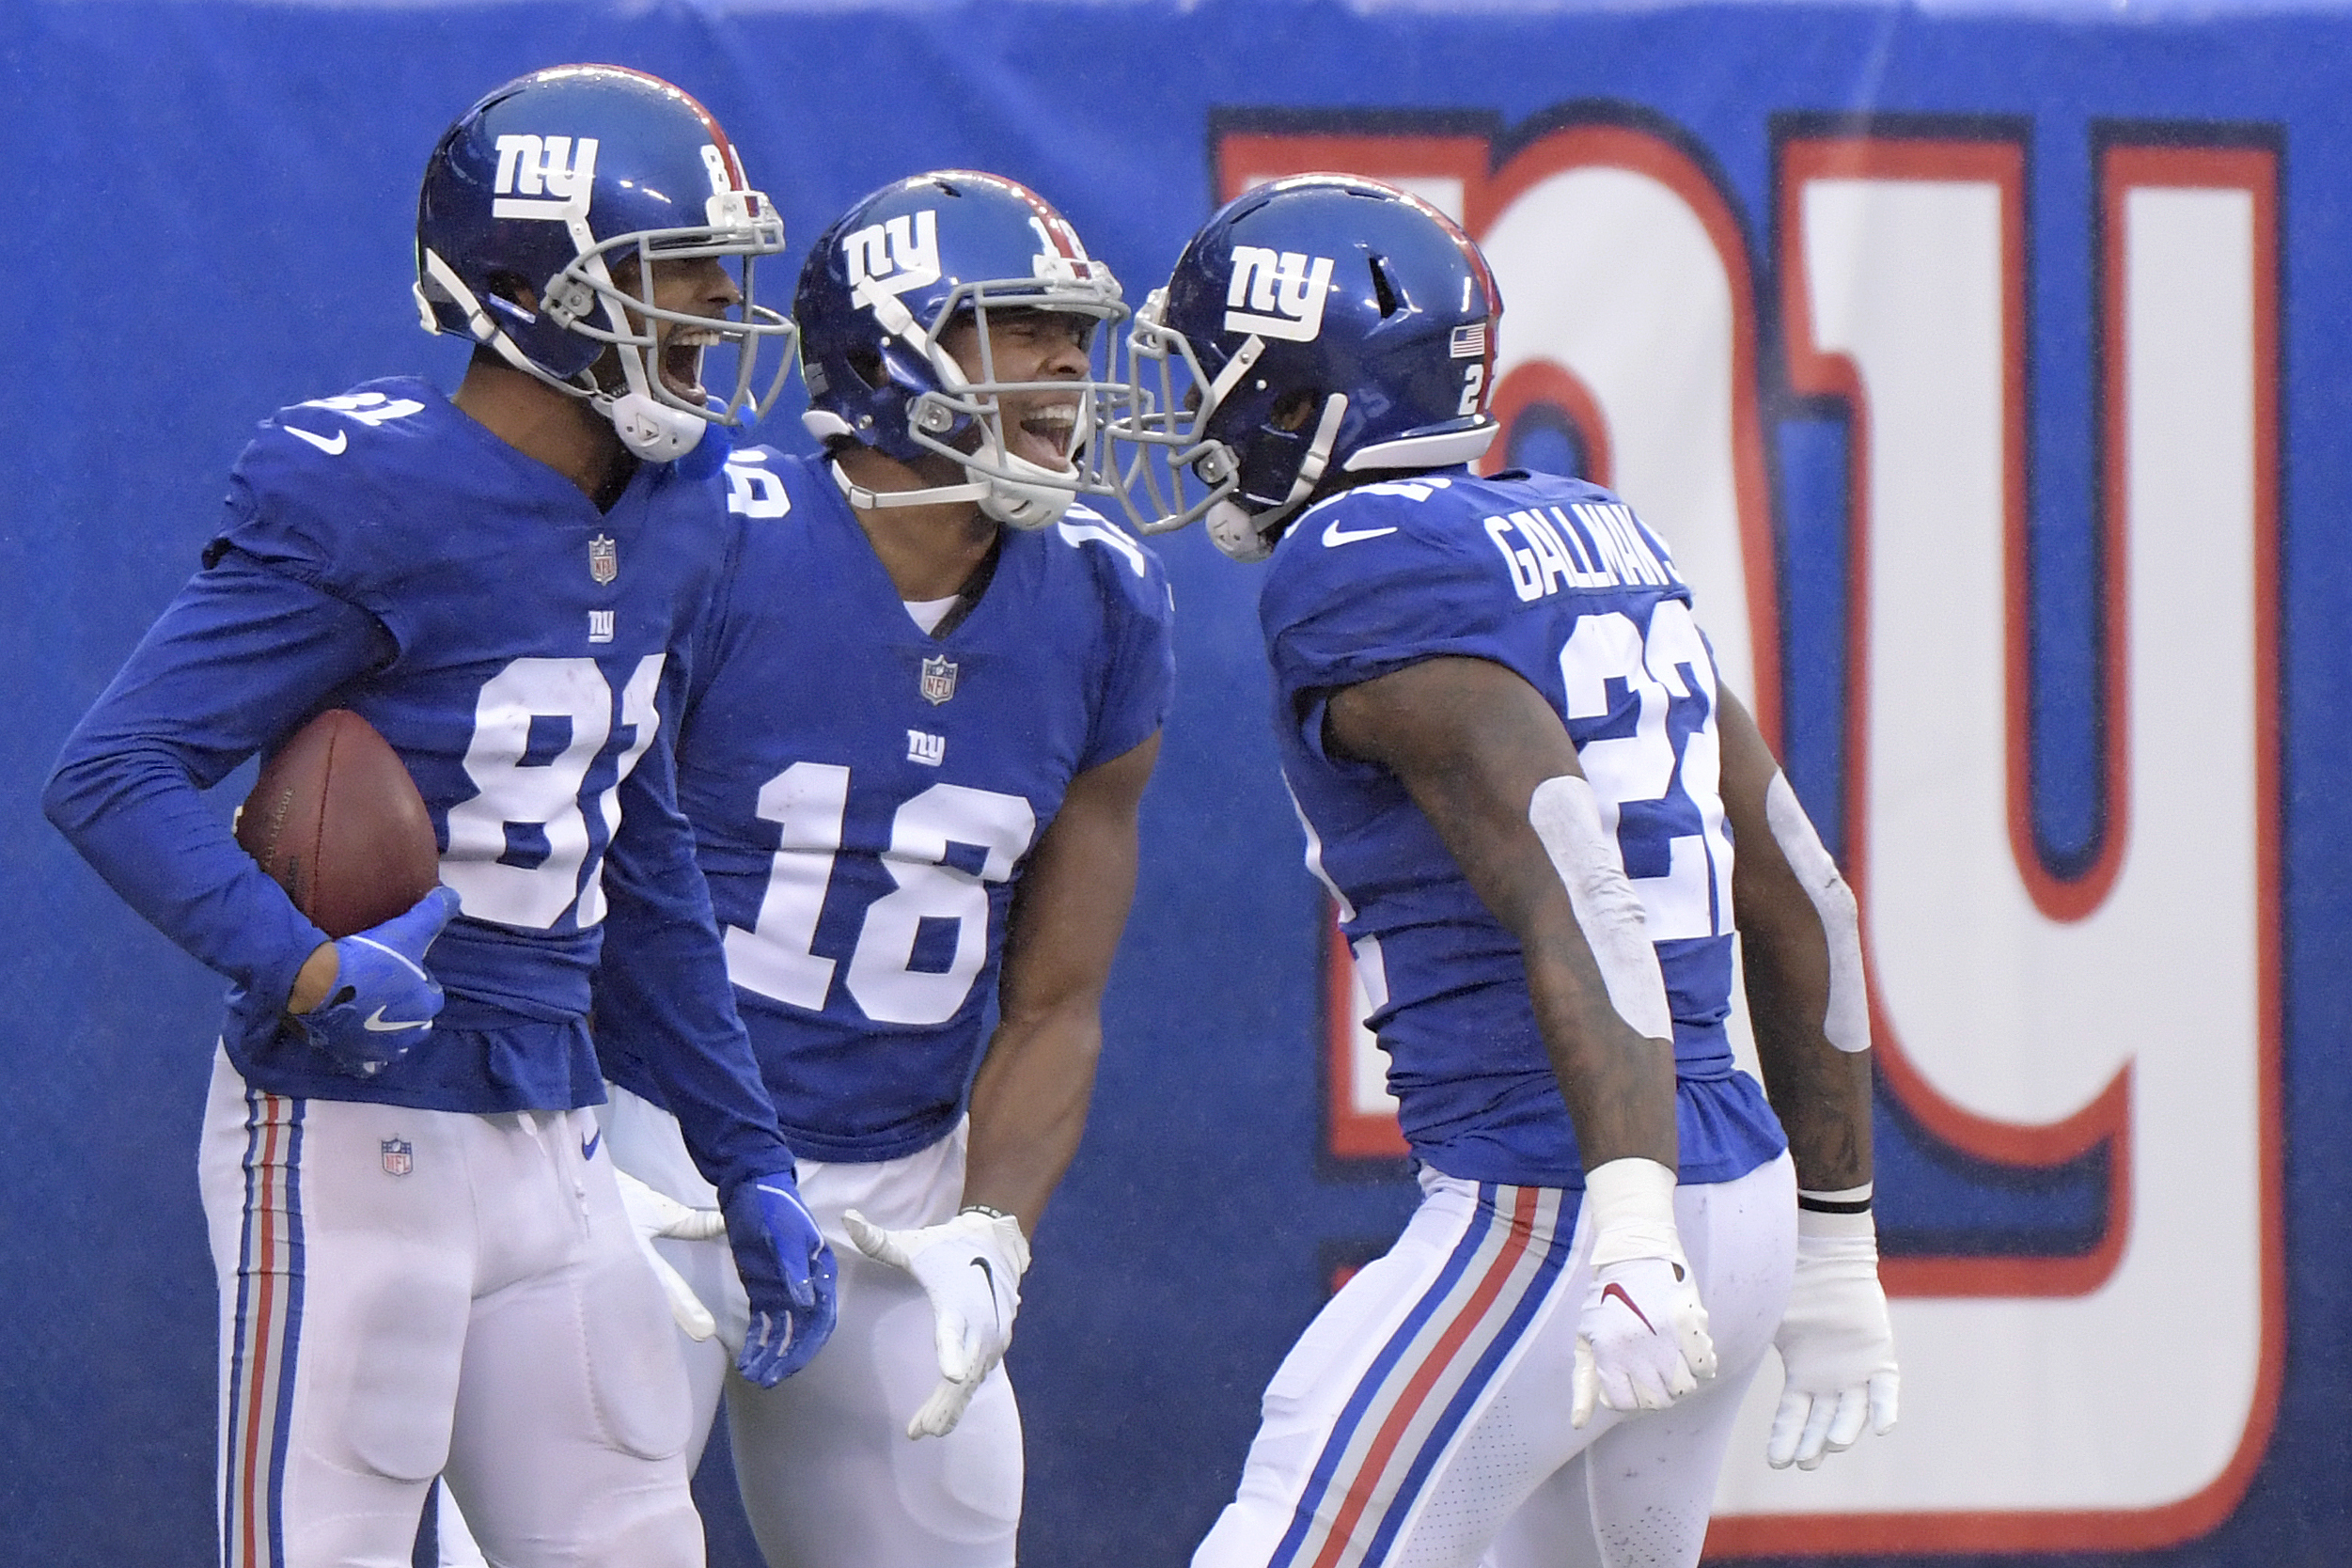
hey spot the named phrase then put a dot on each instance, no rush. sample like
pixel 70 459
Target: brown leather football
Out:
pixel 336 822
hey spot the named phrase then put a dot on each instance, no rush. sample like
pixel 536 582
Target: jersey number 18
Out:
pixel 808 801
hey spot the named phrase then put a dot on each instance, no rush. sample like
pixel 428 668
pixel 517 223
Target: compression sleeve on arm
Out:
pixel 1845 1022
pixel 1566 816
pixel 242 656
pixel 664 971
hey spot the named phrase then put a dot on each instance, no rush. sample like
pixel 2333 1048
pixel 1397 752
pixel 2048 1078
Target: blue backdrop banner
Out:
pixel 1986 371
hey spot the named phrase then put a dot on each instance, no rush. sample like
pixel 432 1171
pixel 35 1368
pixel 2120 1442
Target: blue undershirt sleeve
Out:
pixel 664 970
pixel 240 658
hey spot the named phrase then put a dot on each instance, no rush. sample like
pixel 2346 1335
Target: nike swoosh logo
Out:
pixel 990 1275
pixel 375 1022
pixel 1619 1291
pixel 588 1145
pixel 1334 535
pixel 332 447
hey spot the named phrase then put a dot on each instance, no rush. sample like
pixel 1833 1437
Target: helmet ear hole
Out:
pixel 511 287
pixel 1294 408
pixel 866 364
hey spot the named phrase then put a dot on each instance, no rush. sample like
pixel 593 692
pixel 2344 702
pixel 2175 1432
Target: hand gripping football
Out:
pixel 336 822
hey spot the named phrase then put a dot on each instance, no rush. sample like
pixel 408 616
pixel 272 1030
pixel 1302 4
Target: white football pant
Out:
pixel 1422 1418
pixel 409 1294
pixel 828 1475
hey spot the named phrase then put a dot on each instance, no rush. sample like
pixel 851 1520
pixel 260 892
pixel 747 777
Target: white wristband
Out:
pixel 1630 1203
pixel 1812 1224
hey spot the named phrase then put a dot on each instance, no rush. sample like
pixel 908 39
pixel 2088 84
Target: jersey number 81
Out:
pixel 532 879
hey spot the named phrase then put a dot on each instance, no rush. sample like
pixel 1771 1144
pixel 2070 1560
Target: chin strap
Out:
pixel 1000 500
pixel 1249 536
pixel 653 431
pixel 880 500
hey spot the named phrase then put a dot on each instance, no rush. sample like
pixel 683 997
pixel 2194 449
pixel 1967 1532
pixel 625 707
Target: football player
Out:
pixel 423 1261
pixel 921 713
pixel 1521 781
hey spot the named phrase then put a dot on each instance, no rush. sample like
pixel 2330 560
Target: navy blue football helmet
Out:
pixel 1326 323
pixel 889 278
pixel 546 188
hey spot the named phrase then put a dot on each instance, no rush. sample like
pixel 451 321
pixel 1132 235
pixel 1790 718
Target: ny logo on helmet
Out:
pixel 1285 293
pixel 892 257
pixel 534 168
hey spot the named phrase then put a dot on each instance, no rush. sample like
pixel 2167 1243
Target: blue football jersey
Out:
pixel 1560 582
pixel 864 794
pixel 520 650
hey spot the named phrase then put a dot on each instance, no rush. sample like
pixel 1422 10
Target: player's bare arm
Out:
pixel 1821 1092
pixel 1804 959
pixel 1472 743
pixel 1030 1099
pixel 1491 767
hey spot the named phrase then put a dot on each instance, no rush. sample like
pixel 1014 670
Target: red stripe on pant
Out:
pixel 254 1486
pixel 1368 1474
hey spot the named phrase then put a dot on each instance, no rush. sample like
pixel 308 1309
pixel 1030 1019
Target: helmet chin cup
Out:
pixel 1234 529
pixel 654 430
pixel 1021 503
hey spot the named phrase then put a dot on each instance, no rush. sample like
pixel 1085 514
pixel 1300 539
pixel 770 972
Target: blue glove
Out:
pixel 384 1003
pixel 787 1271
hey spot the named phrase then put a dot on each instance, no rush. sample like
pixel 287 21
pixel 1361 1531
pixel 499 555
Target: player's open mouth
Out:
pixel 1044 434
pixel 682 360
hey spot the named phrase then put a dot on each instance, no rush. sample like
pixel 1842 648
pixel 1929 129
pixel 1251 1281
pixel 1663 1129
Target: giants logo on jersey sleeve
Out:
pixel 1284 293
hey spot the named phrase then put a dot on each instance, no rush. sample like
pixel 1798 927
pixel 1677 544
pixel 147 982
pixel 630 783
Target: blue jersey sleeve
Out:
pixel 708 639
pixel 238 660
pixel 1139 674
pixel 1372 581
pixel 662 984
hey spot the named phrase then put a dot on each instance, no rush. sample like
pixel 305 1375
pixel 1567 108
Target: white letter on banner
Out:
pixel 1611 273
pixel 2030 1419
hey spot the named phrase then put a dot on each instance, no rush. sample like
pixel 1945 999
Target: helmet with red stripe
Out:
pixel 886 283
pixel 1328 326
pixel 544 212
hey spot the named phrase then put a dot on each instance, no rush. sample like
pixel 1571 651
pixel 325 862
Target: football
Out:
pixel 336 822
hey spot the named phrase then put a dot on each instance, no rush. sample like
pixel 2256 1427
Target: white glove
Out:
pixel 971 1267
pixel 653 1213
pixel 1836 1347
pixel 1641 1339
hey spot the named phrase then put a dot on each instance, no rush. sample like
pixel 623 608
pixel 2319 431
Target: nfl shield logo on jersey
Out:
pixel 399 1158
pixel 604 559
pixel 938 679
